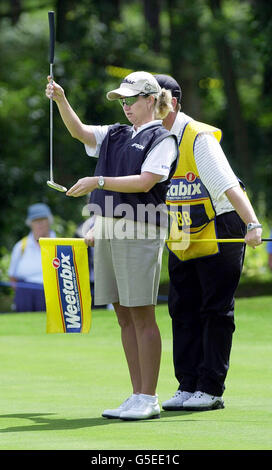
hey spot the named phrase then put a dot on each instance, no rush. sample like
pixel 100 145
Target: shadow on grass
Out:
pixel 43 421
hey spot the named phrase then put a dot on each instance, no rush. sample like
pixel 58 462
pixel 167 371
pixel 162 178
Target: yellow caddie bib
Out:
pixel 192 215
pixel 66 280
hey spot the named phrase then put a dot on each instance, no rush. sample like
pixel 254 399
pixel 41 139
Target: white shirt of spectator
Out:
pixel 26 265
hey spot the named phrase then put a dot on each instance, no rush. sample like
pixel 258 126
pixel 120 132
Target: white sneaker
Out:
pixel 146 407
pixel 201 401
pixel 176 402
pixel 115 413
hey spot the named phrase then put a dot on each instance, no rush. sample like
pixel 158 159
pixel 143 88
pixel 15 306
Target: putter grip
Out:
pixel 51 18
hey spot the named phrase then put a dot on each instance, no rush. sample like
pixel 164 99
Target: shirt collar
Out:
pixel 32 240
pixel 179 125
pixel 144 126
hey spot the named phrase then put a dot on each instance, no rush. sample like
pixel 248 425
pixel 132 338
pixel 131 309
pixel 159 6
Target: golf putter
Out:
pixel 51 182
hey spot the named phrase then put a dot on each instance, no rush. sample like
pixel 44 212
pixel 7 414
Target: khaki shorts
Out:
pixel 127 262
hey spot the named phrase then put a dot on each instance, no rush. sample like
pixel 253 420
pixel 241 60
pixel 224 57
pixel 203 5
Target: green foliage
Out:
pixel 95 40
pixel 81 68
pixel 4 263
pixel 256 265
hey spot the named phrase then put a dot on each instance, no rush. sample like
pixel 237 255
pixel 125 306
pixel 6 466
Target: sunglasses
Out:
pixel 130 100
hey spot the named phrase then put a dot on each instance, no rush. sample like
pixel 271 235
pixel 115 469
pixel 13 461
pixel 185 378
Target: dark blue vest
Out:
pixel 120 155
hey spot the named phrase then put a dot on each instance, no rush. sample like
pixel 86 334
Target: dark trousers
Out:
pixel 29 298
pixel 201 305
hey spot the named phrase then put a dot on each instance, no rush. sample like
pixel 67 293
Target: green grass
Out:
pixel 54 388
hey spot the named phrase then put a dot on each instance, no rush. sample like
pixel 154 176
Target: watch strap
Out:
pixel 252 226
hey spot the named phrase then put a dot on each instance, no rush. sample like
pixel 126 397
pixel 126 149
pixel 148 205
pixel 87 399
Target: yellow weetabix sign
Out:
pixel 66 285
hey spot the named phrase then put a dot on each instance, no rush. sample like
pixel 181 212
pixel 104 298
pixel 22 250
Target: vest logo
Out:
pixel 138 146
pixel 190 177
pixel 56 263
pixel 182 190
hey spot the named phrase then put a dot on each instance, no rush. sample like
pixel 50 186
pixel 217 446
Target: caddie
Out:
pixel 206 200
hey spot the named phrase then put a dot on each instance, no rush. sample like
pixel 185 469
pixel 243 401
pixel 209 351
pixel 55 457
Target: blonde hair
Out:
pixel 163 104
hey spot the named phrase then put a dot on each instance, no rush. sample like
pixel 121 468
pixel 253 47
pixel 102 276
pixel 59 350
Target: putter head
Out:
pixel 56 186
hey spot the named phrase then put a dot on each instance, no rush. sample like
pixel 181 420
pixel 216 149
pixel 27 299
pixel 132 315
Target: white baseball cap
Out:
pixel 134 84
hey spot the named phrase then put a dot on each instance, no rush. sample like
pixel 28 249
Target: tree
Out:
pixel 97 43
pixel 185 51
pixel 234 108
pixel 262 39
pixel 152 10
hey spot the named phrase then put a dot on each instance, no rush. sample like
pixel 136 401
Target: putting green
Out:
pixel 54 388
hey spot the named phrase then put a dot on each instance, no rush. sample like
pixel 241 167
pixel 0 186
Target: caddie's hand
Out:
pixel 89 237
pixel 253 238
pixel 83 186
pixel 53 90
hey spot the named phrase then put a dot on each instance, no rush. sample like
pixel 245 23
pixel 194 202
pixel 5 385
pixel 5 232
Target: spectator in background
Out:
pixel 25 269
pixel 269 250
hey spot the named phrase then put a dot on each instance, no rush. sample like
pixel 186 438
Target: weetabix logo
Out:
pixel 186 188
pixel 69 291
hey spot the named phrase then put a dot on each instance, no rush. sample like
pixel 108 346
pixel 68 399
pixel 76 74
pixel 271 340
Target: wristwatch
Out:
pixel 101 182
pixel 253 225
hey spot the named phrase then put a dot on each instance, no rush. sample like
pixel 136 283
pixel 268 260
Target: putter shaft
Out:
pixel 51 128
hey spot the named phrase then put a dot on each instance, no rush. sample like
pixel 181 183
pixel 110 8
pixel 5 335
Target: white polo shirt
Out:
pixel 158 161
pixel 214 169
pixel 26 265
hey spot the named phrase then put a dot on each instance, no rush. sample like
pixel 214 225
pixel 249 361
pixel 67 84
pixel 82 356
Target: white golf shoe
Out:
pixel 176 402
pixel 201 401
pixel 146 407
pixel 115 413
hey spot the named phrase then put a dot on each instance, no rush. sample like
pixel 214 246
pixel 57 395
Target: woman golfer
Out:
pixel 132 176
